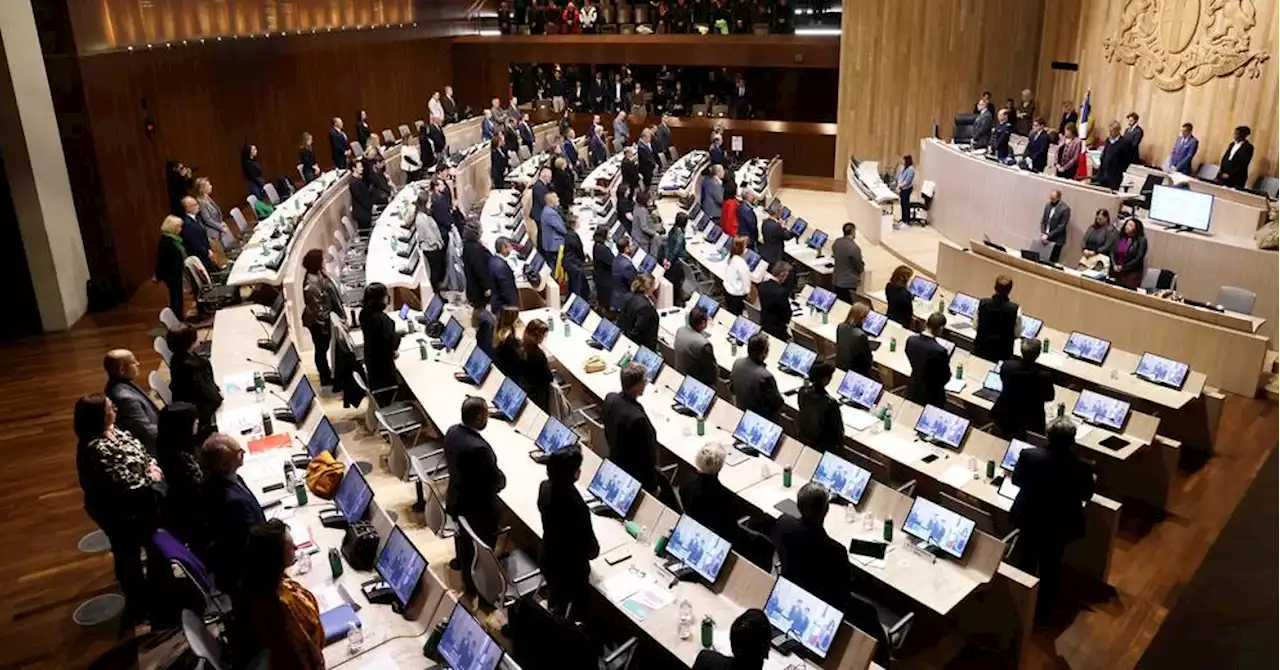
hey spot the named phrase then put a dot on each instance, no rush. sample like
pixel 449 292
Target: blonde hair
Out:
pixel 857 313
pixel 203 183
pixel 710 459
pixel 171 224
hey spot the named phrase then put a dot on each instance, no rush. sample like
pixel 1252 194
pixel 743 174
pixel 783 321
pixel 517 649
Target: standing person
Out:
pixel 1184 150
pixel 748 224
pixel 631 437
pixel 639 318
pixel 1233 169
pixel 849 266
pixel 623 273
pixel 435 108
pixel 630 170
pixel 751 383
pixel 562 181
pixel 898 299
pixel 645 232
pixel 503 278
pixel 1053 225
pixel 749 643
pixel 738 278
pixel 706 499
pixel 178 182
pixel 1026 389
pixel 361 197
pixel 552 229
pixel 602 268
pixel 541 187
pixel 1069 117
pixel 906 184
pixel 574 261
pixel 338 144
pixel 853 344
pixel 1053 485
pixel 775 301
pixel 506 348
pixel 450 106
pixel 644 154
pixel 117 477
pixel 621 131
pixel 133 409
pixel 487 126
pixel 321 299
pixel 475 267
pixel 1070 149
pixel 535 371
pixel 673 260
pixel 1133 134
pixel 194 239
pixel 820 424
pixel 982 125
pixel 713 193
pixel 229 509
pixel 568 539
pixel 474 483
pixel 498 161
pixel 1099 240
pixel 381 341
pixel 774 236
pixel 1129 255
pixel 930 364
pixel 1037 151
pixel 211 216
pixel 694 355
pixel 170 255
pixel 715 152
pixel 191 375
pixel 729 209
pixel 1026 113
pixel 307 158
pixel 432 239
pixel 1115 159
pixel 252 171
pixel 997 323
pixel 284 615
pixel 363 131
pixel 1000 136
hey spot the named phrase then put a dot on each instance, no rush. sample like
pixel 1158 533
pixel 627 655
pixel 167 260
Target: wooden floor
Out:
pixel 45 576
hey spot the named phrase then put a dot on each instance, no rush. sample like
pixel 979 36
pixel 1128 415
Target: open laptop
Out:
pixel 992 386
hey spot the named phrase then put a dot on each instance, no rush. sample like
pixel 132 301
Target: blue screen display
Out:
pixel 709 305
pixel 752 258
pixel 874 323
pixel 695 396
pixel 758 432
pixel 577 309
pixel 353 495
pixel 938 526
pixel 942 426
pixel 613 486
pixel 964 305
pixel 300 401
pixel 842 477
pixel 509 399
pixel 1162 370
pixel 434 309
pixel 651 361
pixel 1087 347
pixel 477 366
pixel 817 240
pixel 922 288
pixel 859 390
pixel 822 299
pixel 452 334
pixel 797 358
pixel 1030 327
pixel 606 334
pixel 697 547
pixel 465 645
pixel 802 617
pixel 1099 409
pixel 742 329
pixel 400 565
pixel 325 438
pixel 555 436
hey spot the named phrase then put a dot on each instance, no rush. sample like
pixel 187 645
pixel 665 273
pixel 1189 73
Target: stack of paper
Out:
pixel 301 534
pixel 856 418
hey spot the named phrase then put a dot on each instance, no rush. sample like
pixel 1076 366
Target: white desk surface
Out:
pixel 681 177
pixel 382 263
pixel 249 268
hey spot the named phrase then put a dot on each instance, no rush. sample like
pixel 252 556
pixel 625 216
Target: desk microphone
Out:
pixel 258 362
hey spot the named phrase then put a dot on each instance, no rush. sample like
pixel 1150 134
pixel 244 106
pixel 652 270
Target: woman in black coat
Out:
pixel 602 267
pixel 191 375
pixel 361 197
pixel 535 372
pixel 639 318
pixel 475 266
pixel 568 540
pixel 381 340
pixel 170 255
pixel 177 453
pixel 575 261
pixel 307 159
pixel 562 183
pixel 898 298
pixel 363 131
pixel 252 171
pixel 1129 255
pixel 497 161
pixel 853 344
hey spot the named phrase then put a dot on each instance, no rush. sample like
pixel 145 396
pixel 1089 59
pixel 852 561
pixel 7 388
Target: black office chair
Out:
pixel 754 544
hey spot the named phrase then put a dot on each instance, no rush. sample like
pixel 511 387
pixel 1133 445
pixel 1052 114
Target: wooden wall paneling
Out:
pixel 906 64
pixel 1074 32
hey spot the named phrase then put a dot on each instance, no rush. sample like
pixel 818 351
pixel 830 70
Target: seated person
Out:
pixel 749 637
pixel 706 499
pixel 283 614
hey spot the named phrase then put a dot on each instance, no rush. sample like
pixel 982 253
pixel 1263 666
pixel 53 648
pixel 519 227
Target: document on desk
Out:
pixel 621 586
pixel 868 561
pixel 956 476
pixel 300 532
pixel 241 419
pixel 955 385
pixel 856 418
pixel 238 383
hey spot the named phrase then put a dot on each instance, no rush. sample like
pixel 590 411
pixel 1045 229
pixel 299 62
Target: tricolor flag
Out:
pixel 1085 107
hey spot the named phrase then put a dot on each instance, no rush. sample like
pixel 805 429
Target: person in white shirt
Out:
pixel 738 278
pixel 434 106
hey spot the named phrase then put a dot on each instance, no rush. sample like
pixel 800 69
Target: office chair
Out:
pixel 169 319
pixel 1159 279
pixel 209 298
pixel 755 546
pixel 192 569
pixel 160 386
pixel 388 137
pixel 1208 171
pixel 1236 299
pixel 1268 186
pixel 242 224
pixel 162 347
pixel 433 514
pixel 403 442
pixel 895 626
pixel 720 111
pixel 398 417
pixel 357 150
pixel 301 174
pixel 405 133
pixel 204 646
pixel 273 196
pixel 501 580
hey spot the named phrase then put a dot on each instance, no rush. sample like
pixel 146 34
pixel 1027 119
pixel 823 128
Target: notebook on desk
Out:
pixel 337 622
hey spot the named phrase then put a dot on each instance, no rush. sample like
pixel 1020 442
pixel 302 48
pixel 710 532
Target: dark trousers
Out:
pixel 436 266
pixel 486 527
pixel 565 591
pixel 735 303
pixel 905 200
pixel 1042 557
pixel 845 294
pixel 578 283
pixel 675 275
pixel 175 296
pixel 1055 251
pixel 144 592
pixel 256 189
pixel 320 340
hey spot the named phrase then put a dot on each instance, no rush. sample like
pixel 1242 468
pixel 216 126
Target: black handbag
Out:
pixel 360 545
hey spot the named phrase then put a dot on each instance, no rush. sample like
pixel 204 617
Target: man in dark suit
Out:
pixel 630 169
pixel 1233 169
pixel 1037 151
pixel 361 197
pixel 596 147
pixel 1133 135
pixel 526 131
pixel 1053 225
pixel 815 562
pixel 194 237
pixel 570 150
pixel 338 144
pixel 474 483
pixel 749 640
pixel 1026 388
pixel 773 236
pixel 503 278
pixel 930 364
pixel 997 323
pixel 775 301
pixel 748 223
pixel 623 272
pixel 228 508
pixel 716 151
pixel 568 540
pixel 751 383
pixel 511 136
pixel 820 424
pixel 450 106
pixel 541 187
pixel 1053 486
pixel 846 277
pixel 662 139
pixel 1116 157
pixel 712 187
pixel 435 132
pixel 598 93
pixel 633 442
pixel 135 412
pixel 982 125
pixel 694 354
pixel 475 267
pixel 644 156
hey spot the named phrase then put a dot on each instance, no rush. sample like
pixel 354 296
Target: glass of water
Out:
pixel 303 562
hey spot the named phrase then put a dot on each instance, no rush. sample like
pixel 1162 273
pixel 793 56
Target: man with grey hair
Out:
pixel 713 192
pixel 632 440
pixel 1053 225
pixel 706 499
pixel 1026 389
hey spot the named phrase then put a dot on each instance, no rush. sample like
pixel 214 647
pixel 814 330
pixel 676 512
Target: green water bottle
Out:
pixel 660 546
pixel 335 562
pixel 942 306
pixel 786 477
pixel 888 529
pixel 893 344
pixel 708 631
pixel 1044 346
pixel 301 492
pixel 625 360
pixel 422 349
pixel 733 347
pixel 825 317
pixel 887 418
pixel 702 426
pixel 991 469
pixel 960 371
pixel 566 328
pixel 1062 409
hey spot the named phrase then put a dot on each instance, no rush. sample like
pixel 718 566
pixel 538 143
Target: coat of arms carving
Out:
pixel 1180 42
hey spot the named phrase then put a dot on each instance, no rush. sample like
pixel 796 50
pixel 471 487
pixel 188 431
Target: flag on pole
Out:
pixel 1085 108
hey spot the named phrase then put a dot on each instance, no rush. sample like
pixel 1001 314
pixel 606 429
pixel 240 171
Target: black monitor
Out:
pixel 477 366
pixel 922 288
pixel 874 323
pixel 797 359
pixel 817 239
pixel 614 487
pixel 859 391
pixel 353 496
pixel 555 436
pixel 1163 371
pixel 821 299
pixel 758 433
pixel 799 227
pixel 452 334
pixel 576 309
pixel 742 329
pixel 708 304
pixel 841 477
pixel 400 565
pixel 288 368
pixel 938 527
pixel 941 426
pixel 1030 327
pixel 697 548
pixel 796 614
pixel 510 399
pixel 433 311
pixel 695 396
pixel 1100 410
pixel 1087 347
pixel 323 438
pixel 651 361
pixel 301 401
pixel 752 258
pixel 606 334
pixel 465 645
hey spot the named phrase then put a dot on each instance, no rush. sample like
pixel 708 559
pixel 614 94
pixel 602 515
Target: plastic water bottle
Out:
pixel 355 638
pixel 850 514
pixel 303 562
pixel 684 625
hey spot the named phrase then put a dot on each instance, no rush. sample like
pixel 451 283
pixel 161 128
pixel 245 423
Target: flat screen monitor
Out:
pixel 874 323
pixel 714 233
pixel 288 365
pixel 452 334
pixel 752 258
pixel 323 438
pixel 695 396
pixel 1163 371
pixel 821 299
pixel 709 305
pixel 434 309
pixel 1181 207
pixel 742 329
pixel 802 616
pixel 577 309
pixel 948 345
pixel 555 436
pixel 1030 327
pixel 859 390
pixel 404 312
pixel 799 227
pixel 400 565
pixel 942 426
pixel 922 288
pixel 1098 409
pixel 465 645
pixel 817 240
pixel 797 359
pixel 477 366
pixel 606 334
pixel 992 382
pixel 698 548
pixel 534 266
pixel 841 477
pixel 1087 347
pixel 964 305
pixel 786 213
pixel 1010 460
pixel 614 487
pixel 651 361
pixel 280 332
pixel 353 495
pixel 509 399
pixel 647 265
pixel 939 526
pixel 758 433
pixel 619 233
pixel 301 400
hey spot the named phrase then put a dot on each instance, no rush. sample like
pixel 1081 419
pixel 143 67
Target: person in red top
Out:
pixel 729 210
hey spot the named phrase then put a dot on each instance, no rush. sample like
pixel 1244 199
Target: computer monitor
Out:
pixel 964 305
pixel 708 304
pixel 404 312
pixel 280 332
pixel 288 367
pixel 301 400
pixel 648 265
pixel 786 213
pixel 555 436
pixel 509 399
pixel 400 565
pixel 534 266
pixel 1100 410
pixel 323 438
pixel 922 288
pixel 758 433
pixel 947 344
pixel 861 391
pixel 452 334
pixel 576 309
pixel 873 324
pixel 477 366
pixel 1163 371
pixel 465 645
pixel 992 382
pixel 694 545
pixel 606 334
pixel 618 233
pixel 942 426
pixel 1030 327
pixel 1010 459
pixel 742 329
pixel 695 396
pixel 1087 347
pixel 714 233
pixel 797 359
pixel 1181 207
pixel 801 616
pixel 614 487
pixel 799 227
pixel 841 477
pixel 817 240
pixel 433 311
pixel 938 526
pixel 353 496
pixel 821 299
pixel 651 361
pixel 752 258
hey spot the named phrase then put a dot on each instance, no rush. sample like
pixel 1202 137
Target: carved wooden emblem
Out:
pixel 1180 42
